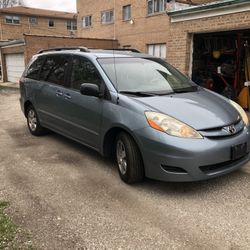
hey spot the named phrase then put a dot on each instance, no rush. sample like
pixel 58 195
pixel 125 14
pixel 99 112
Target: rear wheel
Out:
pixel 128 158
pixel 33 123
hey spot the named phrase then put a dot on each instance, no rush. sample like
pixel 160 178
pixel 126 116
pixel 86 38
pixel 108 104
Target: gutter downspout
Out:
pixel 114 35
pixel 1 29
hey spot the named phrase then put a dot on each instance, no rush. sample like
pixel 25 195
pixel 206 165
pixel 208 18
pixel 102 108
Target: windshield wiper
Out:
pixel 137 93
pixel 185 90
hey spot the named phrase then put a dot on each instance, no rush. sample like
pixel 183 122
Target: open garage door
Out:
pixel 221 62
pixel 15 66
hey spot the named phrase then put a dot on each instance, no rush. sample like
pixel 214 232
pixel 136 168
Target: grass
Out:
pixel 11 236
pixel 8 229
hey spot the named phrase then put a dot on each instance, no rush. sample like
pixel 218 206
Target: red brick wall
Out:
pixel 36 43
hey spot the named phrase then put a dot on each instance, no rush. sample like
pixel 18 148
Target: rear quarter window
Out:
pixel 34 69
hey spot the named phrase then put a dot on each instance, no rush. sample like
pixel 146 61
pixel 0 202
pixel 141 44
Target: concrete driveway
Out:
pixel 69 197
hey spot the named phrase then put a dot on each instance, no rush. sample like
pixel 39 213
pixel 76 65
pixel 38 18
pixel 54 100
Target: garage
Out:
pixel 14 66
pixel 221 63
pixel 211 44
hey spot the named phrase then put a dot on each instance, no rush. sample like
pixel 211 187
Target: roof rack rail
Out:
pixel 131 50
pixel 83 49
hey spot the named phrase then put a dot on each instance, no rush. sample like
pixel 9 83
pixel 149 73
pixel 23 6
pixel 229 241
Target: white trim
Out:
pixel 191 56
pixel 209 13
pixel 14 45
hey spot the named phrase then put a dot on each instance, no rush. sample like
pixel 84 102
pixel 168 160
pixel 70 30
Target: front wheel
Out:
pixel 33 123
pixel 128 159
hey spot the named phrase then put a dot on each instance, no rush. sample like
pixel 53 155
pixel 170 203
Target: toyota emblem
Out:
pixel 230 129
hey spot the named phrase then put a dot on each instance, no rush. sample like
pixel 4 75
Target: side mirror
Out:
pixel 90 89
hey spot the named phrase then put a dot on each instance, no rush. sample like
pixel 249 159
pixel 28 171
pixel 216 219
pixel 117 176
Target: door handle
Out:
pixel 59 93
pixel 67 96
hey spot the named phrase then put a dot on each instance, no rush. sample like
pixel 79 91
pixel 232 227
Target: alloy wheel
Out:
pixel 32 120
pixel 121 157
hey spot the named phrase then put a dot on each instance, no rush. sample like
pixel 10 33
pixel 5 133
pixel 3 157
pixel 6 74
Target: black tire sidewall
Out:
pixel 39 129
pixel 133 159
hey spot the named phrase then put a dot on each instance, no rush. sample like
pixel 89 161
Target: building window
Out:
pixel 12 19
pixel 107 16
pixel 126 10
pixel 86 21
pixel 51 23
pixel 32 20
pixel 156 6
pixel 159 50
pixel 71 25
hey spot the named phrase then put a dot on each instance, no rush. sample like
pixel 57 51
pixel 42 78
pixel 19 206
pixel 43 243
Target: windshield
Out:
pixel 147 75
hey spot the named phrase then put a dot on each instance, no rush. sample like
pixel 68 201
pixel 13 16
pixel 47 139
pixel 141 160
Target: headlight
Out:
pixel 170 125
pixel 240 111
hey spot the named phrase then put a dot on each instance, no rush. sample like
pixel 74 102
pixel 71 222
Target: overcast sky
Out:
pixel 62 5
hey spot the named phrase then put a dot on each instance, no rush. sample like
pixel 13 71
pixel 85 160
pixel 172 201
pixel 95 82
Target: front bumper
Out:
pixel 169 158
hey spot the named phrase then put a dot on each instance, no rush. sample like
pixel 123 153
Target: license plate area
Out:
pixel 238 151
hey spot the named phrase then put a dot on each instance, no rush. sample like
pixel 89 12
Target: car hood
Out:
pixel 200 110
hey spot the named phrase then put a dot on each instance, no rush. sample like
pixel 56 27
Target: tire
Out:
pixel 128 159
pixel 33 123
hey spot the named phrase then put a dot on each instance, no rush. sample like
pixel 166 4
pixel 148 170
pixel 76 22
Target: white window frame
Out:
pixel 107 17
pixel 33 20
pixel 157 49
pixel 87 21
pixel 157 6
pixel 13 19
pixel 54 23
pixel 71 25
pixel 126 12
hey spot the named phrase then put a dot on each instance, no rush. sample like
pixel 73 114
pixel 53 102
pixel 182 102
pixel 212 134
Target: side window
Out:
pixel 34 69
pixel 54 69
pixel 83 71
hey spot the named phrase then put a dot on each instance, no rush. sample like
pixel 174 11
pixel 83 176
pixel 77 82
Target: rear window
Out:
pixel 34 69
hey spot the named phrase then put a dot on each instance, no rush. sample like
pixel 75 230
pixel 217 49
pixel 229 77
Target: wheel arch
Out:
pixel 26 105
pixel 110 136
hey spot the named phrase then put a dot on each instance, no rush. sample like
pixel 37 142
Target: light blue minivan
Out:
pixel 153 119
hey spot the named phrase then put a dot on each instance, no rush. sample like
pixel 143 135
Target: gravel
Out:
pixel 69 197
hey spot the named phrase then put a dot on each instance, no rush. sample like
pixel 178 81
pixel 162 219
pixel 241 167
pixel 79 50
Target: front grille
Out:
pixel 208 169
pixel 216 133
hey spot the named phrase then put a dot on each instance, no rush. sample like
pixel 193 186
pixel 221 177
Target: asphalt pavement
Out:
pixel 69 197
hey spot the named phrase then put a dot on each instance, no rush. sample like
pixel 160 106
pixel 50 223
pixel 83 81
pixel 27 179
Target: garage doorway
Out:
pixel 221 62
pixel 14 66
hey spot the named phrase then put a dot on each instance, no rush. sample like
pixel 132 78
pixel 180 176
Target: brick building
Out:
pixel 139 24
pixel 125 20
pixel 15 21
